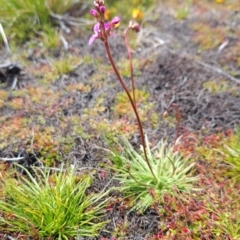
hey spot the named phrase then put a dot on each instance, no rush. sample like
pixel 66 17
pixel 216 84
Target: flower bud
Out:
pixel 102 9
pixel 136 27
pixel 94 13
pixel 115 21
pixel 95 3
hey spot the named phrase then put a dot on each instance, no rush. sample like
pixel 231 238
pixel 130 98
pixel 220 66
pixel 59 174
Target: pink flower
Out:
pixel 97 33
pixel 108 26
pixel 94 12
pixel 102 9
pixel 115 21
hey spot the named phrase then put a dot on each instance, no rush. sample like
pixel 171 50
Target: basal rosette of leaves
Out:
pixel 51 206
pixel 171 169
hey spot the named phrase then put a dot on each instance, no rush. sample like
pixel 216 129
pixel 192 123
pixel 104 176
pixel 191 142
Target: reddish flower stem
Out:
pixel 129 97
pixel 131 65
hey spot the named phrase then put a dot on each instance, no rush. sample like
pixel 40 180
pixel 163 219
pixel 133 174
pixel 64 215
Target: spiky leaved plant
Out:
pixel 172 170
pixel 54 206
pixel 147 175
pixel 231 153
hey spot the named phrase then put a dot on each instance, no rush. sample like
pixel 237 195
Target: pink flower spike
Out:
pixel 94 12
pixel 115 21
pixel 106 25
pixel 96 30
pixel 102 9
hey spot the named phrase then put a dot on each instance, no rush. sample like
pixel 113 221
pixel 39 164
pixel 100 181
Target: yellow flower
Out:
pixel 107 14
pixel 117 25
pixel 220 1
pixel 137 14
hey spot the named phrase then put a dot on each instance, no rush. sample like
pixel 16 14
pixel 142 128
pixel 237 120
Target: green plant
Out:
pixel 60 6
pixel 232 156
pixel 51 206
pixel 229 223
pixel 3 98
pixel 182 13
pixel 14 10
pixel 67 64
pixel 227 217
pixel 16 13
pixel 172 171
pixel 24 18
pixel 143 177
pixel 208 37
pixel 216 86
pixel 49 37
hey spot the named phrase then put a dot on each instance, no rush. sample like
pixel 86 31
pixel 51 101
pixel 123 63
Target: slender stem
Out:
pixel 131 65
pixel 129 97
pixel 144 185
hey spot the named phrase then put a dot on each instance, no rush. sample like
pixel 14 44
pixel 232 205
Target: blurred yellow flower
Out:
pixel 220 1
pixel 137 14
pixel 107 14
pixel 117 25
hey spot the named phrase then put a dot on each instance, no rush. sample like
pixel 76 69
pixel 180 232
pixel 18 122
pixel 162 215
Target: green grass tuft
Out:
pixel 55 206
pixel 232 156
pixel 172 171
pixel 25 18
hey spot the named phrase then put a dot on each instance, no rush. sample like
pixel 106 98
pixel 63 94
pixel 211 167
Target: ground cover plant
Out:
pixel 61 104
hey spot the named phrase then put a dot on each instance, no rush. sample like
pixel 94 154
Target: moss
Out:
pixel 208 37
pixel 219 86
pixel 216 86
pixel 66 64
pixel 3 98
